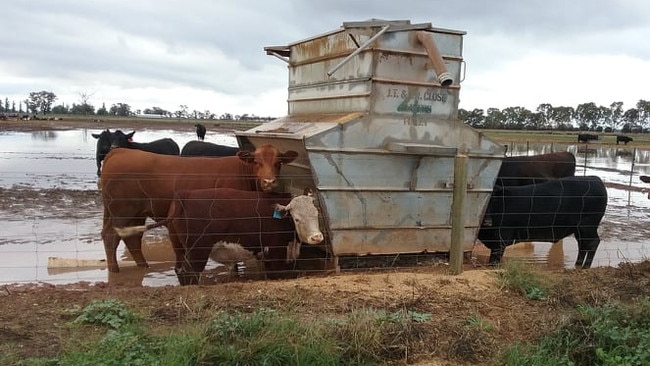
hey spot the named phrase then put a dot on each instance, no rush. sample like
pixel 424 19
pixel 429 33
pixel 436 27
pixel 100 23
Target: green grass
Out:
pixel 611 335
pixel 525 280
pixel 108 333
pixel 641 141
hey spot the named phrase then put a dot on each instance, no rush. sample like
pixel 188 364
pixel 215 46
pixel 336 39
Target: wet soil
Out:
pixel 34 317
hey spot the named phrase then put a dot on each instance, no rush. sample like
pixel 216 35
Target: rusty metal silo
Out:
pixel 372 111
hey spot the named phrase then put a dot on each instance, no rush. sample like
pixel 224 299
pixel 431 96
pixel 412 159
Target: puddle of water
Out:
pixel 66 159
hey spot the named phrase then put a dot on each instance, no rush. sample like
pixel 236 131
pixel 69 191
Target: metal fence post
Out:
pixel 458 214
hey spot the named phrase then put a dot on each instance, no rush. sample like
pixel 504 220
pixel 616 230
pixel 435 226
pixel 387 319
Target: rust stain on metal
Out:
pixel 325 46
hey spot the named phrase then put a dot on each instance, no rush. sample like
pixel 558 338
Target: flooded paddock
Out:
pixel 50 208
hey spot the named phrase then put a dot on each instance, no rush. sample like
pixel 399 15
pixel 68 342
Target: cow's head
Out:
pixel 107 140
pixel 267 161
pixel 121 139
pixel 304 214
pixel 103 142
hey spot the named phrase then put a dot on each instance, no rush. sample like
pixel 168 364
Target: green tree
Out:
pixel 41 101
pixel 588 115
pixel 83 108
pixel 563 117
pixel 102 111
pixel 121 109
pixel 615 115
pixel 631 119
pixel 156 110
pixel 60 109
pixel 474 118
pixel 643 106
pixel 545 112
pixel 494 118
pixel 182 112
pixel 604 117
pixel 516 118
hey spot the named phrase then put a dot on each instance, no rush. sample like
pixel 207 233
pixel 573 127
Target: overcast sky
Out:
pixel 208 54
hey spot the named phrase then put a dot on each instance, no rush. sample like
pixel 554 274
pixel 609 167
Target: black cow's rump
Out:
pixel 529 169
pixel 546 212
pixel 586 137
pixel 203 148
pixel 107 140
pixel 624 139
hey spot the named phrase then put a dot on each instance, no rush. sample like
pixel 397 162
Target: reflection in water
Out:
pixel 44 135
pixel 623 164
pixel 551 255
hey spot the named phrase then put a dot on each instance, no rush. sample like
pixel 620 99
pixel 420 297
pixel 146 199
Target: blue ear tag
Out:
pixel 277 214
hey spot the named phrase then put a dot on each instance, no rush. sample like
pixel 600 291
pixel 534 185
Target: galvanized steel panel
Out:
pixel 368 241
pixel 377 139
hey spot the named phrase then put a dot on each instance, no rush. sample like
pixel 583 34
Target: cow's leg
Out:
pixel 133 242
pixel 586 253
pixel 293 250
pixel 588 242
pixel 179 249
pixel 195 260
pixel 134 245
pixel 111 241
pixel 496 254
pixel 186 276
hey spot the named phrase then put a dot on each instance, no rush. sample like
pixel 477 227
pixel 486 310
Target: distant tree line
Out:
pixel 42 102
pixel 586 116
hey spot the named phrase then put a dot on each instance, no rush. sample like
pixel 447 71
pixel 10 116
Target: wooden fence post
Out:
pixel 458 214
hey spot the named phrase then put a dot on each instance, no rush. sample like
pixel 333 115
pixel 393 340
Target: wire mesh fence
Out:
pixel 49 214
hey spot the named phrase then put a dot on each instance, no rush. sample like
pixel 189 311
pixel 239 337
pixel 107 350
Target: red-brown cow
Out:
pixel 198 219
pixel 137 184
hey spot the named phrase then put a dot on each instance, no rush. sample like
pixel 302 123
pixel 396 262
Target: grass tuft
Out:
pixel 525 280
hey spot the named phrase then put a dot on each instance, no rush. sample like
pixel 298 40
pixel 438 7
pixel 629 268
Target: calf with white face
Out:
pixel 198 219
pixel 305 219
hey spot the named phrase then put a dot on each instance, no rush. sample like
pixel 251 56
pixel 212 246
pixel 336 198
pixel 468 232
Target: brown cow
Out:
pixel 137 184
pixel 524 170
pixel 198 219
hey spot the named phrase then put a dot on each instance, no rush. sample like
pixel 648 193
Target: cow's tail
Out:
pixel 127 231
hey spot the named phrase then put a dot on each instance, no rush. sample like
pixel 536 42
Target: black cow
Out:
pixel 200 131
pixel 107 140
pixel 546 212
pixel 645 179
pixel 203 148
pixel 524 170
pixel 623 139
pixel 586 137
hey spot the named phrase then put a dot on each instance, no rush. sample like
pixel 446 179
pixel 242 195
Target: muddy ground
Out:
pixel 33 318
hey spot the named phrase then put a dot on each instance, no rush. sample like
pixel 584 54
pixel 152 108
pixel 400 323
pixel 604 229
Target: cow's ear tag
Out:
pixel 277 214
